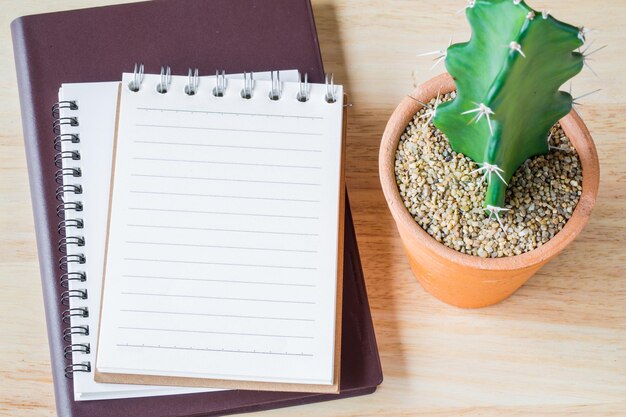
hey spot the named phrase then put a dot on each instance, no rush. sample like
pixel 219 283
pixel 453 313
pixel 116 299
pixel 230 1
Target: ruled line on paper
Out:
pixel 236 197
pixel 218 315
pixel 304 268
pixel 156 329
pixel 261 148
pixel 214 350
pixel 219 246
pixel 282 116
pixel 225 163
pixel 226 179
pixel 223 230
pixel 282 216
pixel 228 281
pixel 210 297
pixel 223 129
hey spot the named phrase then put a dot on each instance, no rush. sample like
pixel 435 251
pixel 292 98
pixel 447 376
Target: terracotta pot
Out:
pixel 464 280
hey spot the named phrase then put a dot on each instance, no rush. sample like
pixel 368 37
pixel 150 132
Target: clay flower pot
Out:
pixel 464 280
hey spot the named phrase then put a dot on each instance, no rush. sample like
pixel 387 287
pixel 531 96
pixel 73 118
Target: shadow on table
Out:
pixel 378 242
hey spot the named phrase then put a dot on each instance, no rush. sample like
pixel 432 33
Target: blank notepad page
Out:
pixel 222 252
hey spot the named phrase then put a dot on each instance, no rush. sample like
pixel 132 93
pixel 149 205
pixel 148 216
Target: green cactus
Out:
pixel 508 78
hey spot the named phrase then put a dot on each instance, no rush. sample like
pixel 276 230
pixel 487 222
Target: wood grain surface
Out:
pixel 557 347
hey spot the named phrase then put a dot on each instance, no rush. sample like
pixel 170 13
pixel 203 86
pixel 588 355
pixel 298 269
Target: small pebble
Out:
pixel 445 199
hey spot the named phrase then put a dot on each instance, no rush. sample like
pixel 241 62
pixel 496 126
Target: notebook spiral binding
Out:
pixel 70 239
pixel 219 90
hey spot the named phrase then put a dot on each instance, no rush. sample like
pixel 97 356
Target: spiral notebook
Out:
pixel 222 266
pixel 88 111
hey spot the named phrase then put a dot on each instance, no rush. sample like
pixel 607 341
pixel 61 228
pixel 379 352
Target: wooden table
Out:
pixel 557 347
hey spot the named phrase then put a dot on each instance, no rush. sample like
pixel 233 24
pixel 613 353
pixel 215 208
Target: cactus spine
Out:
pixel 508 78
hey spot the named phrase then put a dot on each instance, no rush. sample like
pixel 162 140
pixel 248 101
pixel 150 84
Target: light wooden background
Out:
pixel 558 347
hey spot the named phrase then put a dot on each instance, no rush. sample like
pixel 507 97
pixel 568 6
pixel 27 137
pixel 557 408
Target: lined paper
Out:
pixel 223 237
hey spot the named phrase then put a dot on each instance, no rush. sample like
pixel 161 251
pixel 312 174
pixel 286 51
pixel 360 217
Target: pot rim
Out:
pixel 573 127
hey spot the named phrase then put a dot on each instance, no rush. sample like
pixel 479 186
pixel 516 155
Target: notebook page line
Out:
pixel 305 117
pixel 154 142
pixel 175 261
pixel 243 197
pixel 154 329
pixel 223 129
pixel 269 232
pixel 255 352
pixel 219 315
pixel 225 213
pixel 256 300
pixel 228 281
pixel 191 245
pixel 224 163
pixel 225 179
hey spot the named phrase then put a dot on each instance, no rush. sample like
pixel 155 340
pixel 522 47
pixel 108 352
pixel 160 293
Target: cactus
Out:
pixel 508 78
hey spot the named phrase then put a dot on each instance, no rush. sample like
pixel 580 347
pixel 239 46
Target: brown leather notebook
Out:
pixel 97 45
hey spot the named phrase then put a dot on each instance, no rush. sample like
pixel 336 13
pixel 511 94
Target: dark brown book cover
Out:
pixel 98 44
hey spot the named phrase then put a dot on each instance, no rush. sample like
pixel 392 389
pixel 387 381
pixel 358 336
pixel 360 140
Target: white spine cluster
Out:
pixel 440 54
pixel 495 212
pixel 481 111
pixel 489 169
pixel 514 46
